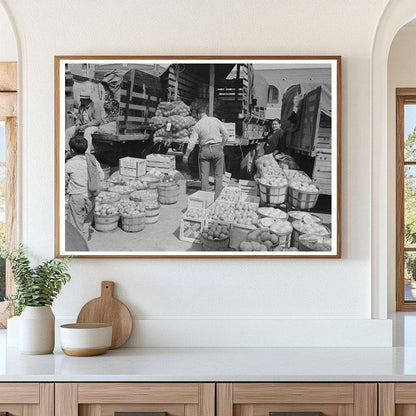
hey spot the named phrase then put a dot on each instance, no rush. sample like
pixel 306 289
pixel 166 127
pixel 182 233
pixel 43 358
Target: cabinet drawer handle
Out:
pixel 138 414
pixel 296 414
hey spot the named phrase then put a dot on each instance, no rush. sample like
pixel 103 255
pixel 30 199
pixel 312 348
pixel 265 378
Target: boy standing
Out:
pixel 83 175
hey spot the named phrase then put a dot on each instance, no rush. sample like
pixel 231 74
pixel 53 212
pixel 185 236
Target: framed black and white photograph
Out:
pixel 198 156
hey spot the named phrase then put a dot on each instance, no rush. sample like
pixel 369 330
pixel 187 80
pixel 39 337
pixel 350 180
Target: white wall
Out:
pixel 401 74
pixel 8 47
pixel 179 302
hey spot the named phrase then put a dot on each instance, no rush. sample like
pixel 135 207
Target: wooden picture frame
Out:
pixel 221 79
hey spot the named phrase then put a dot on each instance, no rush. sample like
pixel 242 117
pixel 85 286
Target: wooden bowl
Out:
pixel 84 340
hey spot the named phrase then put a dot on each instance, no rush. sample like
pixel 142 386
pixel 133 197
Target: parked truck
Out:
pixel 227 89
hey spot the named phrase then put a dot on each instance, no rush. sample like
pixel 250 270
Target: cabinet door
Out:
pixel 143 399
pixel 397 399
pixel 297 399
pixel 26 399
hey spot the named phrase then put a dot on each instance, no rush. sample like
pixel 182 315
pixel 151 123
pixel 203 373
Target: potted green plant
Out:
pixel 36 289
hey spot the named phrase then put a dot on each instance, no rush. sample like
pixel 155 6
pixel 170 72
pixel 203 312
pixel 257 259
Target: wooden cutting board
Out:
pixel 107 309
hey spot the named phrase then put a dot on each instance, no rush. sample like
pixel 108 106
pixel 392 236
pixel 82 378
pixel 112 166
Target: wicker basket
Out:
pixel 284 239
pixel 133 224
pixel 296 234
pixel 272 195
pixel 304 245
pixel 302 199
pixel 282 215
pixel 151 181
pixel 116 197
pixel 215 245
pixel 125 193
pixel 294 217
pixel 106 222
pixel 152 215
pixel 168 192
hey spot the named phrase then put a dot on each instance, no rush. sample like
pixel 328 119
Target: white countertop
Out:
pixel 214 364
pixel 222 364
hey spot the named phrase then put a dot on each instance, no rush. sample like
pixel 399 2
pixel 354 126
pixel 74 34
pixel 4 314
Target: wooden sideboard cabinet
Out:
pixel 153 399
pixel 208 399
pixel 27 399
pixel 268 399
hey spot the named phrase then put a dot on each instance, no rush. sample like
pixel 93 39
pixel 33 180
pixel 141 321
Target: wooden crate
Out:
pixel 253 200
pixel 132 167
pixel 164 163
pixel 234 191
pixel 229 205
pixel 248 188
pixel 226 178
pixel 200 199
pixel 321 176
pixel 231 132
pixel 239 233
pixel 191 228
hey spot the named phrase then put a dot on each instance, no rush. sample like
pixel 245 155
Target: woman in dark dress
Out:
pixel 275 141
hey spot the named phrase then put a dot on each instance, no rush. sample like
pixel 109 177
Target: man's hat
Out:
pixel 85 97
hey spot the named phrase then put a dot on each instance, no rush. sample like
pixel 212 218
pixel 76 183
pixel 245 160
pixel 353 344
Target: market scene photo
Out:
pixel 197 157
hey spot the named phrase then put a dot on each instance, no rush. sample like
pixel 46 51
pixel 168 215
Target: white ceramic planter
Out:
pixel 37 330
pixel 13 331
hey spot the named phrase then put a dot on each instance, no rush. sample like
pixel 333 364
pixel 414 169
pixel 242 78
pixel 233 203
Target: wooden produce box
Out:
pixel 253 200
pixel 226 178
pixel 231 191
pixel 164 163
pixel 132 167
pixel 231 132
pixel 248 188
pixel 321 176
pixel 217 205
pixel 239 233
pixel 191 228
pixel 200 199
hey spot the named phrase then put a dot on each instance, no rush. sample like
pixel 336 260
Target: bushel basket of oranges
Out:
pixel 264 239
pixel 215 236
pixel 302 195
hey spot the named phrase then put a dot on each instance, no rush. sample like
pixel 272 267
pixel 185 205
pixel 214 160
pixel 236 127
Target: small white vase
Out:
pixel 37 330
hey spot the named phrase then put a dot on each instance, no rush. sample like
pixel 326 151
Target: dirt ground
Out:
pixel 161 236
pixel 164 235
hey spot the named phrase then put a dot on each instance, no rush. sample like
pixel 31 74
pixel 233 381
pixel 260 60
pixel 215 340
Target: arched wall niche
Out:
pixel 396 15
pixel 9 50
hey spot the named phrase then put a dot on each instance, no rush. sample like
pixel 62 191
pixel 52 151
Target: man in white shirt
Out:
pixel 211 135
